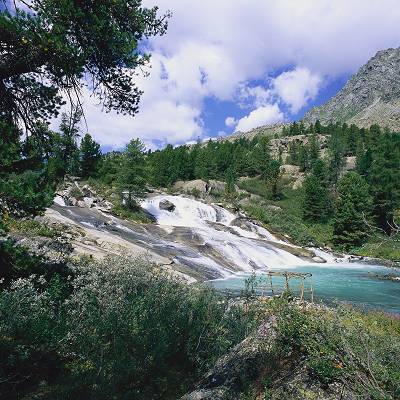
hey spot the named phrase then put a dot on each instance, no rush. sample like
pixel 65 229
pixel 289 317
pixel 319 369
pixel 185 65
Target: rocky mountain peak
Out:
pixel 371 96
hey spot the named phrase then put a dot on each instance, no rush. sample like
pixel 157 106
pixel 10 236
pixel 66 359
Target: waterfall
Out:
pixel 240 249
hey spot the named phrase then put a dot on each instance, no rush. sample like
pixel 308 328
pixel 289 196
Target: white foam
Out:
pixel 59 200
pixel 245 250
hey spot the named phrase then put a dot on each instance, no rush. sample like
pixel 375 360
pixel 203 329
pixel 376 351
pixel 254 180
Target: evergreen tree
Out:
pixel 317 127
pixel 336 155
pixel 293 153
pixel 352 208
pixel 363 160
pixel 261 155
pixel 384 179
pixel 316 202
pixel 110 167
pixel 65 157
pixel 303 158
pixel 230 180
pixel 132 176
pixel 90 156
pixel 24 188
pixel 272 174
pixel 313 150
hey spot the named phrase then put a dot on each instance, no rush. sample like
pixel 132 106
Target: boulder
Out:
pixel 81 204
pixel 350 163
pixel 88 201
pixel 87 191
pixel 72 201
pixel 166 205
pixel 189 186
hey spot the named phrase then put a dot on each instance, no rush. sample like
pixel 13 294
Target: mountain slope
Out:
pixel 371 96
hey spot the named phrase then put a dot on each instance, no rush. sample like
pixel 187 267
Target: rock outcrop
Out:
pixel 166 205
pixel 72 193
pixel 200 188
pixel 257 359
pixel 371 96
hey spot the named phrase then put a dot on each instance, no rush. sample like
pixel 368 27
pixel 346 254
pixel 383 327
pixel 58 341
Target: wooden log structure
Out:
pixel 265 282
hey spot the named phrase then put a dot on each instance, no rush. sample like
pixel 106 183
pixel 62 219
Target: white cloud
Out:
pixel 230 121
pixel 264 115
pixel 224 49
pixel 297 87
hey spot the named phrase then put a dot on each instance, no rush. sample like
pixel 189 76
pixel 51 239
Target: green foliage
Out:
pixel 27 193
pixel 122 328
pixel 135 214
pixel 132 175
pixel 344 346
pixel 316 202
pixel 110 166
pixel 352 207
pixel 230 180
pixel 90 156
pixel 272 174
pixel 384 179
pixel 17 262
pixel 31 227
pixel 23 185
pixel 285 223
pixel 49 46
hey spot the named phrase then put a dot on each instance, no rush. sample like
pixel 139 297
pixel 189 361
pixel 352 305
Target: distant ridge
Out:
pixel 371 96
pixel 266 130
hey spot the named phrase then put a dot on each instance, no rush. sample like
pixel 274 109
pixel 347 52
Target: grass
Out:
pixel 30 227
pixel 386 249
pixel 108 192
pixel 135 215
pixel 288 220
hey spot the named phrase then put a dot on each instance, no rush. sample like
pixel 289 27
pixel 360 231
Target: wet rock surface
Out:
pixel 166 205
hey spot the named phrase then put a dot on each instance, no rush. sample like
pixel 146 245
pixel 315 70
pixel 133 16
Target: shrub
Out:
pixel 125 329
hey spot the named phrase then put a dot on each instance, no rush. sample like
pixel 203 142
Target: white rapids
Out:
pixel 245 248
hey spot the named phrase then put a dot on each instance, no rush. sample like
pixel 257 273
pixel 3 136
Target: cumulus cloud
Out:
pixel 230 121
pixel 268 114
pixel 227 50
pixel 297 87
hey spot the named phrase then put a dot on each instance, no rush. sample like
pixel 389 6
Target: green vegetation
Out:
pixel 48 48
pixel 30 227
pixel 118 328
pixel 122 328
pixel 288 219
pixel 352 210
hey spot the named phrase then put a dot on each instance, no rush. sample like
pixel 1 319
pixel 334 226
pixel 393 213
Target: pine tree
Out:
pixel 313 150
pixel 352 207
pixel 317 127
pixel 230 180
pixel 316 202
pixel 133 177
pixel 303 158
pixel 67 151
pixel 384 179
pixel 272 174
pixel 261 155
pixel 90 156
pixel 336 155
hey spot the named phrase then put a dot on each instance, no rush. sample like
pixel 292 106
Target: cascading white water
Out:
pixel 188 212
pixel 243 249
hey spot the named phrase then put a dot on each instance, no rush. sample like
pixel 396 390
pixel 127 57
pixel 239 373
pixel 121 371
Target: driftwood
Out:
pixel 265 283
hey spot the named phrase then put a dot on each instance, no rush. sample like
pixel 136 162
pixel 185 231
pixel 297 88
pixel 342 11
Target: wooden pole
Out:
pixel 270 281
pixel 302 290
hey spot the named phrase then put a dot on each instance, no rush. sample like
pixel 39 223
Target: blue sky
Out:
pixel 215 111
pixel 232 65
